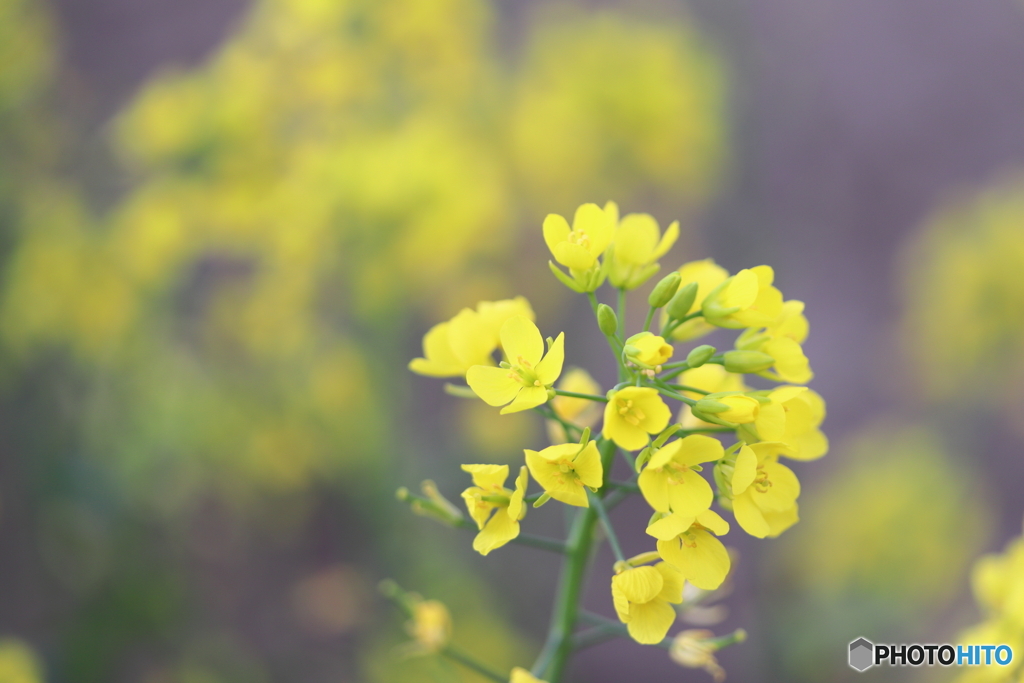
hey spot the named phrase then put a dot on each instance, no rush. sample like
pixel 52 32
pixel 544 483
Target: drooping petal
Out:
pixel 479 509
pixel 620 602
pixel 702 558
pixel 672 589
pixel 521 341
pixel 639 584
pixel 809 445
pixel 588 466
pixel 691 496
pixel 550 367
pixel 527 398
pixel 780 521
pixel 516 509
pixel 749 516
pixel 497 532
pixel 745 470
pixel 713 521
pixel 493 385
pixel 654 487
pixel 667 528
pixel 487 477
pixel 556 231
pixel 784 489
pixel 649 623
pixel 698 448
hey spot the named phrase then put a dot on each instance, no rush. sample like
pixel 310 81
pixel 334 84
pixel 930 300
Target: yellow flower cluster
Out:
pixel 668 459
pixel 998 583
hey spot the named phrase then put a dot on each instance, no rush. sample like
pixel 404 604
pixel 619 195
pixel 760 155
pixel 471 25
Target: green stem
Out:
pixel 470 663
pixel 650 317
pixel 663 388
pixel 549 412
pixel 575 394
pixel 554 657
pixel 593 636
pixel 683 387
pixel 606 522
pixel 621 313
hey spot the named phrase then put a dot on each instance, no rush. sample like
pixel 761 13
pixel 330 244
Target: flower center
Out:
pixel 581 238
pixel 523 372
pixel 761 481
pixel 631 414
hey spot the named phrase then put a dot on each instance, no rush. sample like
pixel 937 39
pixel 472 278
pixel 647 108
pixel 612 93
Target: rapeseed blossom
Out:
pixel 637 246
pixel 643 599
pixel 524 380
pixel 495 509
pixel 689 543
pixel 632 414
pixel 761 425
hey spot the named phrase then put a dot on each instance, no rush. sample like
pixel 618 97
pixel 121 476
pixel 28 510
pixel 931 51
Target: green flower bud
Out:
pixel 664 290
pixel 747 361
pixel 700 355
pixel 607 320
pixel 680 305
pixel 710 405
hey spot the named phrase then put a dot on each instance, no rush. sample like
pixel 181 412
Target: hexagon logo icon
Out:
pixel 862 653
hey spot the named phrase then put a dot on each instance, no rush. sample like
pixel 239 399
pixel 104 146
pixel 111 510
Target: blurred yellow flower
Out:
pixel 430 627
pixel 523 382
pixel 580 411
pixel 689 543
pixel 764 492
pixel 636 249
pixel 671 482
pixel 694 649
pixel 19 663
pixel 631 414
pixel 520 675
pixel 747 299
pixel 643 598
pixel 488 495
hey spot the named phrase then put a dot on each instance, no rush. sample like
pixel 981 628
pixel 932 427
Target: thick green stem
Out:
pixel 554 657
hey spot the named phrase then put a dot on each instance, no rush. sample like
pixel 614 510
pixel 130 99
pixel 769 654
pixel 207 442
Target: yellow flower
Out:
pixel 580 411
pixel 564 470
pixel 489 495
pixel 747 299
pixel 652 350
pixel 708 275
pixel 688 543
pixel 803 413
pixel 631 414
pixel 642 595
pixel 521 675
pixel 998 583
pixel 592 230
pixel 524 380
pixel 781 339
pixel 637 246
pixel 671 482
pixel 764 492
pixel 762 418
pixel 451 348
pixel 695 649
pixel 430 626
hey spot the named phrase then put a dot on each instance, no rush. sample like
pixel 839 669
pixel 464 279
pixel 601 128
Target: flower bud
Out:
pixel 680 305
pixel 710 405
pixel 607 320
pixel 699 356
pixel 664 290
pixel 747 361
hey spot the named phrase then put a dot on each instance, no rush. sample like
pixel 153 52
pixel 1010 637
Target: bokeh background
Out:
pixel 225 226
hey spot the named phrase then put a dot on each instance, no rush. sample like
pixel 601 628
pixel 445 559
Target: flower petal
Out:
pixel 588 466
pixel 705 563
pixel 492 384
pixel 691 496
pixel 649 623
pixel 667 528
pixel 749 516
pixel 497 532
pixel 574 256
pixel 550 367
pixel 654 487
pixel 488 476
pixel 672 590
pixel 639 584
pixel 556 230
pixel 528 397
pixel 784 489
pixel 667 240
pixel 698 448
pixel 521 341
pixel 713 521
pixel 745 470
